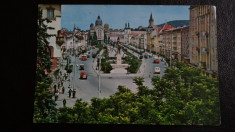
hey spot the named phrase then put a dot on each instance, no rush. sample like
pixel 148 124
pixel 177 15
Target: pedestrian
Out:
pixel 74 92
pixel 64 102
pixel 56 95
pixel 63 90
pixel 54 89
pixel 70 91
pixel 58 85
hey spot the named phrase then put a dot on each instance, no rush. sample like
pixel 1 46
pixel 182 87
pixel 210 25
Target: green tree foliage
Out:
pixel 94 40
pixel 43 50
pixel 134 64
pixel 183 96
pixel 44 105
pixel 138 81
pixel 106 66
pixel 105 38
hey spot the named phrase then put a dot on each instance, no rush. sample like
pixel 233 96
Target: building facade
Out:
pixel 53 13
pixel 203 38
pixel 185 44
pixel 97 29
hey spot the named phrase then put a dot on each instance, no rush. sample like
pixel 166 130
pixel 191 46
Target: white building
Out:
pixel 53 13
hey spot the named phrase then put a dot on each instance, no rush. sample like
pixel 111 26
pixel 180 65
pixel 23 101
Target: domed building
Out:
pixel 99 29
pixel 98 22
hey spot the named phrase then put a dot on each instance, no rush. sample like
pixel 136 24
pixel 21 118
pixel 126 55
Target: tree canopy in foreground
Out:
pixel 183 96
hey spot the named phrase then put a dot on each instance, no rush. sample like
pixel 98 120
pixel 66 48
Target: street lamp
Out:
pixel 99 57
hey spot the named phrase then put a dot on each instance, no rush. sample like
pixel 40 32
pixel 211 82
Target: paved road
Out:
pixel 87 89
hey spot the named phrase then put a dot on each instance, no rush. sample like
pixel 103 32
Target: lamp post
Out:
pixel 99 57
pixel 99 76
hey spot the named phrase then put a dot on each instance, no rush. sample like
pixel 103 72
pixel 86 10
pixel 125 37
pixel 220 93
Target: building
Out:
pixel 97 29
pixel 127 32
pixel 164 39
pixel 53 13
pixel 185 44
pixel 203 38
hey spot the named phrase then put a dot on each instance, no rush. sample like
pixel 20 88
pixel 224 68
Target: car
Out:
pixel 93 47
pixel 157 70
pixel 156 61
pixel 84 57
pixel 81 67
pixel 83 75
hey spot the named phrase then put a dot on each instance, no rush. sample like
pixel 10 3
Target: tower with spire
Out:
pixel 151 20
pixel 127 31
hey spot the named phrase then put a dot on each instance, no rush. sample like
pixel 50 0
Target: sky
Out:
pixel 117 15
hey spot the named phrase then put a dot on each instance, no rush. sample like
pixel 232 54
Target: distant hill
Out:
pixel 176 23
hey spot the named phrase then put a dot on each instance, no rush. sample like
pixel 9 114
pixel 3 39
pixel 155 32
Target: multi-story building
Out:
pixel 185 44
pixel 203 43
pixel 53 13
pixel 165 39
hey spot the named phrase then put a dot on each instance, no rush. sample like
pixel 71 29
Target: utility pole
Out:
pixel 171 46
pixel 99 75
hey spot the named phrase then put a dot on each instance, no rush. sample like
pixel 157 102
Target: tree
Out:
pixel 105 38
pixel 170 102
pixel 188 97
pixel 138 81
pixel 44 105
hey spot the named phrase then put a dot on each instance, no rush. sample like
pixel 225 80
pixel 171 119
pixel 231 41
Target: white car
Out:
pixel 157 70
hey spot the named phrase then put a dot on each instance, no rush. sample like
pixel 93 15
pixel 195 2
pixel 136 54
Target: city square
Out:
pixel 124 71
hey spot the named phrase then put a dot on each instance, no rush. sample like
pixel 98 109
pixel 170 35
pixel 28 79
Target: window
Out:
pixel 50 13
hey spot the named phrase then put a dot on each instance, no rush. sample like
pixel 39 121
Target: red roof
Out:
pixel 165 27
pixel 138 32
pixel 63 32
pixel 154 26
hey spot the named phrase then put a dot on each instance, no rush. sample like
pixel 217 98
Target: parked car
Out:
pixel 156 61
pixel 83 75
pixel 157 70
pixel 84 57
pixel 93 47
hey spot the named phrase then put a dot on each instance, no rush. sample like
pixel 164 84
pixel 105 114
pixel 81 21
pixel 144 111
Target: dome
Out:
pixel 98 22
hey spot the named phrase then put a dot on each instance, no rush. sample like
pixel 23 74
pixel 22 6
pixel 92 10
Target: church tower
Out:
pixel 127 32
pixel 151 20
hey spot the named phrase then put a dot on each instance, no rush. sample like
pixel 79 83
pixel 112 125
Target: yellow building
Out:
pixel 203 38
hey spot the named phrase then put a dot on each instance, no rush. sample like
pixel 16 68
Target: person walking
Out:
pixel 54 89
pixel 74 92
pixel 56 95
pixel 70 91
pixel 63 90
pixel 64 102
